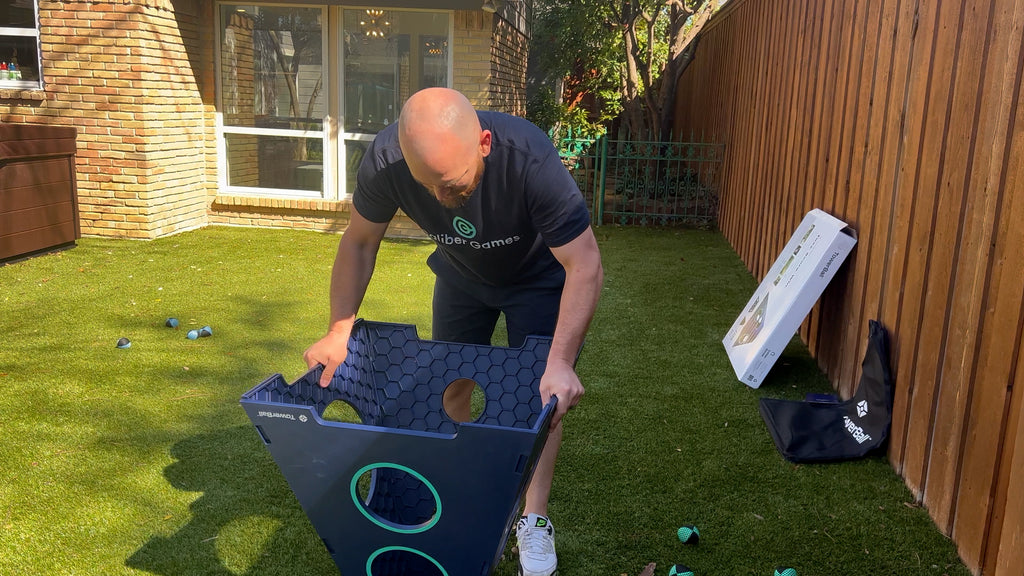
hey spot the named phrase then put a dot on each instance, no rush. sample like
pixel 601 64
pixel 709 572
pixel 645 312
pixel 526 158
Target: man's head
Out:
pixel 443 144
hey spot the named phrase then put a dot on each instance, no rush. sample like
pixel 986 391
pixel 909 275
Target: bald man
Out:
pixel 513 236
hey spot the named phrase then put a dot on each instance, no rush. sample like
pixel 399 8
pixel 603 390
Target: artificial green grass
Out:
pixel 141 461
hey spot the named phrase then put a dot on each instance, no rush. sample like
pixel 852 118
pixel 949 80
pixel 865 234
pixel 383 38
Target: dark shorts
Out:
pixel 467 312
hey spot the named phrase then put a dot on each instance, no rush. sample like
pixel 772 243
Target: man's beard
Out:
pixel 459 199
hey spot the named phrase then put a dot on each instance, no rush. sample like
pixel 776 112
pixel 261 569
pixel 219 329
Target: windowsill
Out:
pixel 228 201
pixel 36 94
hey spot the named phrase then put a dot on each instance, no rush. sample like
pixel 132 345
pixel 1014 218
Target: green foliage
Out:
pixel 572 43
pixel 546 110
pixel 141 461
pixel 613 50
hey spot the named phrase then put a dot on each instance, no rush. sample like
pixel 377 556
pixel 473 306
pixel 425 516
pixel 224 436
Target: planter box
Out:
pixel 38 195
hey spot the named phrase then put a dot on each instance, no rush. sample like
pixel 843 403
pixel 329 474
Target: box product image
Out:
pixel 786 294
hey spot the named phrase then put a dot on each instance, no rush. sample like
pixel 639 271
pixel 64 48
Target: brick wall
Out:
pixel 319 215
pixel 124 74
pixel 490 57
pixel 471 56
pixel 509 48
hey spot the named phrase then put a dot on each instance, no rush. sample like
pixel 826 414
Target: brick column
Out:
pixel 126 75
pixel 509 49
pixel 471 54
pixel 490 57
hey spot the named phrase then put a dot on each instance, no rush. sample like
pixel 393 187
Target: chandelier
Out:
pixel 436 47
pixel 375 24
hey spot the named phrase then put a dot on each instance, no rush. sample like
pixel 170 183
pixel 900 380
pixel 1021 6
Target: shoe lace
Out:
pixel 536 541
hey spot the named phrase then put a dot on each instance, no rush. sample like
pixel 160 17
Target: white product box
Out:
pixel 787 294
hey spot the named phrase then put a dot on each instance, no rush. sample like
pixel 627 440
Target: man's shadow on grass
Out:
pixel 246 522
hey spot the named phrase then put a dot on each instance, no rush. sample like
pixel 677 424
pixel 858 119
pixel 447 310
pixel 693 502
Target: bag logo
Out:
pixel 862 408
pixel 857 432
pixel 464 227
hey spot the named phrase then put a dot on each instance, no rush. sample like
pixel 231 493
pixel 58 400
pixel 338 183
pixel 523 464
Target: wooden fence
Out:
pixel 904 119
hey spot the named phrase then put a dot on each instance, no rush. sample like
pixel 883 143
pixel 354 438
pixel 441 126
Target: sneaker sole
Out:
pixel 555 573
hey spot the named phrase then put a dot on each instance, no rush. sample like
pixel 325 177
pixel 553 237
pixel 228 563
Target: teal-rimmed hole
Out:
pixel 392 526
pixel 369 561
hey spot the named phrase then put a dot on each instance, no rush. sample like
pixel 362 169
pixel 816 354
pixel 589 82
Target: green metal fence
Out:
pixel 646 183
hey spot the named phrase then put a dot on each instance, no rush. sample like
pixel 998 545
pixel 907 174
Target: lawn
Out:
pixel 141 461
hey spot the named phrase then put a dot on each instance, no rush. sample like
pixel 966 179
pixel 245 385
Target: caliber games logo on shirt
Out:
pixel 464 227
pixel 466 233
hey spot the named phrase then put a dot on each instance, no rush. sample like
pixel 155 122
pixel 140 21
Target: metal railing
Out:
pixel 646 183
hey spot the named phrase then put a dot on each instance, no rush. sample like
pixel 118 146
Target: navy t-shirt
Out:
pixel 526 203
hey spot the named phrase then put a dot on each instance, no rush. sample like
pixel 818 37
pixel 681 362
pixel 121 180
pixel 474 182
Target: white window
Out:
pixel 388 55
pixel 19 45
pixel 273 99
pixel 302 90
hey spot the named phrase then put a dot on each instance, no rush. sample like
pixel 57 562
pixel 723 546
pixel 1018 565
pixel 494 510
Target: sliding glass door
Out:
pixel 387 55
pixel 283 94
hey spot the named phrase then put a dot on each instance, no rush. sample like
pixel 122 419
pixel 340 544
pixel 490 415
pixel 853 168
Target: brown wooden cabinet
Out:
pixel 38 196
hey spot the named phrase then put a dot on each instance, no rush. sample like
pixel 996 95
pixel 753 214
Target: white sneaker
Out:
pixel 536 539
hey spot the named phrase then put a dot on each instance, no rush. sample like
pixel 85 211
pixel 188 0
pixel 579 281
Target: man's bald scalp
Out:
pixel 434 115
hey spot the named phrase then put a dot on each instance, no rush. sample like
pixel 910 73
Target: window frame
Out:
pixel 223 130
pixel 26 33
pixel 362 138
pixel 335 140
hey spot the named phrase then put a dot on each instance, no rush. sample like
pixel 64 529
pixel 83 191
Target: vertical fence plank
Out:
pixel 739 157
pixel 847 69
pixel 799 112
pixel 740 200
pixel 814 26
pixel 860 206
pixel 888 84
pixel 936 448
pixel 900 167
pixel 1002 313
pixel 914 209
pixel 736 156
pixel 826 120
pixel 1008 553
pixel 961 261
pixel 808 181
pixel 764 75
pixel 989 526
pixel 768 170
pixel 848 194
pixel 1005 555
pixel 785 64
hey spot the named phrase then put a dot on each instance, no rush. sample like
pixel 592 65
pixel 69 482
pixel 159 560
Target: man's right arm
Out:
pixel 353 267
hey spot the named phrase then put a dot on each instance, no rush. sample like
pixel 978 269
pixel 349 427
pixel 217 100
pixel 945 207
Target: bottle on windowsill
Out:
pixel 4 74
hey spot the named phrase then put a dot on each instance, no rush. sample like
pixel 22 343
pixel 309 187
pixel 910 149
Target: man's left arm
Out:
pixel 584 277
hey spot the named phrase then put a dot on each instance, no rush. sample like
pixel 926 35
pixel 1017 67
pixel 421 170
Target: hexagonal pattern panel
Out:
pixel 396 381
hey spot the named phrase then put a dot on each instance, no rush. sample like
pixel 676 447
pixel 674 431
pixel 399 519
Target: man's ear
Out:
pixel 485 142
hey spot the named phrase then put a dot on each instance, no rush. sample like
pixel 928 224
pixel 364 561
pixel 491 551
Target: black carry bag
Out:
pixel 813 431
